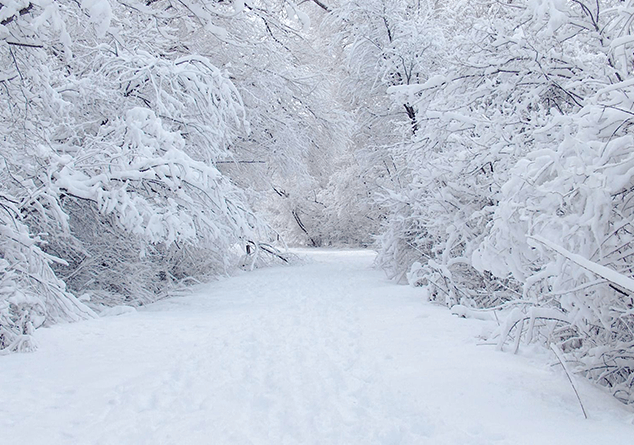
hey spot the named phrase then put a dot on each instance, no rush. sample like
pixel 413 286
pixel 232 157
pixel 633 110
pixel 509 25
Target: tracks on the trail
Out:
pixel 326 352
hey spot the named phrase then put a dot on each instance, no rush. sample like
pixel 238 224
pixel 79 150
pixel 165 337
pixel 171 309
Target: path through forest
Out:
pixel 325 352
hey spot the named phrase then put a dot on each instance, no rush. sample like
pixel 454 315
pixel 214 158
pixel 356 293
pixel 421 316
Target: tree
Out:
pixel 137 136
pixel 110 136
pixel 521 139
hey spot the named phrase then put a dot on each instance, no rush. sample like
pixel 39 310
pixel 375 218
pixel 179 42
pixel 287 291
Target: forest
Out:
pixel 484 148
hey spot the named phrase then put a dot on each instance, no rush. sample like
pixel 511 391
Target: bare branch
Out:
pixel 28 45
pixel 322 6
pixel 22 11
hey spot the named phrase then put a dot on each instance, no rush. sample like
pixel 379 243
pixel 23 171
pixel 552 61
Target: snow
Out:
pixel 604 272
pixel 100 14
pixel 324 352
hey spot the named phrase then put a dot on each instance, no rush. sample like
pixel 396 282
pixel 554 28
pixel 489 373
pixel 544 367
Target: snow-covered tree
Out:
pixel 111 130
pixel 137 137
pixel 517 169
pixel 378 45
pixel 563 218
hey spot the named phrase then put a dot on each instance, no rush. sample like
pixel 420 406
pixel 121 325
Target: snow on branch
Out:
pixel 604 272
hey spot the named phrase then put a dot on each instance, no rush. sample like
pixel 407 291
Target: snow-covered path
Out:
pixel 328 352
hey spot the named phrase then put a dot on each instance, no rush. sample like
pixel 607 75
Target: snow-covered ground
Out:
pixel 327 352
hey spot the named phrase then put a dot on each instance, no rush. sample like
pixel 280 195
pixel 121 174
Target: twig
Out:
pixel 560 357
pixel 322 5
pixel 28 45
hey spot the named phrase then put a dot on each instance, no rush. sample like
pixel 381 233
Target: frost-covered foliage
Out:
pixel 517 165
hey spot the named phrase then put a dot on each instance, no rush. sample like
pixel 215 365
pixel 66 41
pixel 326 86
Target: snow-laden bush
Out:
pixel 31 295
pixel 476 113
pixel 154 206
pixel 562 227
pixel 517 196
pixel 576 199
